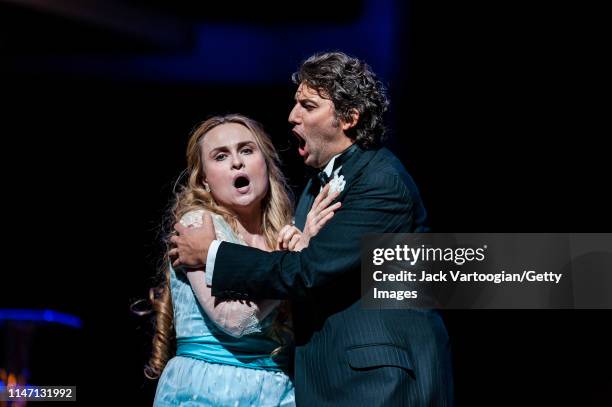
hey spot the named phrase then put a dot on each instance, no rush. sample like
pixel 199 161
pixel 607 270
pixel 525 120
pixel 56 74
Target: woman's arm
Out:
pixel 234 317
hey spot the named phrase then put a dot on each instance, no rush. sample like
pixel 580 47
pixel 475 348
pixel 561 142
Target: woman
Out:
pixel 229 352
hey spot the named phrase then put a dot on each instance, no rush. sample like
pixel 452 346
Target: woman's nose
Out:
pixel 237 161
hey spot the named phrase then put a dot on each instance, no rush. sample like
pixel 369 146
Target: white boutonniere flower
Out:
pixel 337 183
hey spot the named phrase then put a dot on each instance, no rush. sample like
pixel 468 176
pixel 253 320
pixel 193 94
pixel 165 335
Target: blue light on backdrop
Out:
pixel 40 316
pixel 249 53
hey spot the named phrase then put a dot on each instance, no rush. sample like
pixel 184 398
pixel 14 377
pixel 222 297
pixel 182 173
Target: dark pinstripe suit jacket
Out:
pixel 346 355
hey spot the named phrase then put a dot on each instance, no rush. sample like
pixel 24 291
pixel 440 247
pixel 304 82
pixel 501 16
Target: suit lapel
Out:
pixel 352 168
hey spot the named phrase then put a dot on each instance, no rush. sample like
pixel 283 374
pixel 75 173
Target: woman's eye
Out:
pixel 220 157
pixel 247 150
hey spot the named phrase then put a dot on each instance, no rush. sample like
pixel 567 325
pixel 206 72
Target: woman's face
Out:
pixel 235 167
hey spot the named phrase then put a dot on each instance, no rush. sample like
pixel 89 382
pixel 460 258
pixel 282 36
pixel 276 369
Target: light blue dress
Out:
pixel 212 368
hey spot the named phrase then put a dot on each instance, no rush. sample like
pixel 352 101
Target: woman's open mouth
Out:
pixel 242 183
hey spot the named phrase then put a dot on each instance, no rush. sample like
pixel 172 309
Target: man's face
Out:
pixel 319 132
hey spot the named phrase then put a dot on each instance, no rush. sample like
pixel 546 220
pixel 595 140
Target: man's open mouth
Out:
pixel 301 141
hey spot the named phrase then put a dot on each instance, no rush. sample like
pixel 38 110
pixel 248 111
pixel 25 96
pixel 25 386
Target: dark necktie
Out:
pixel 323 178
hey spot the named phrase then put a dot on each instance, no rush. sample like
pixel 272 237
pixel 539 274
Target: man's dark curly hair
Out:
pixel 350 84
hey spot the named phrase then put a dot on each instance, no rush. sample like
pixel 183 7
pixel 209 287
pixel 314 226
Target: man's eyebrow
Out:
pixel 305 99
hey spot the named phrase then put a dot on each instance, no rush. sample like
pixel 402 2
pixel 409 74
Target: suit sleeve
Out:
pixel 378 203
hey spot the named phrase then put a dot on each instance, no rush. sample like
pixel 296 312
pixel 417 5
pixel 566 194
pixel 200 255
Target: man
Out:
pixel 345 355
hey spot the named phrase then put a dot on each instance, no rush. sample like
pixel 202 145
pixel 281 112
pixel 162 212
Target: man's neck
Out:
pixel 338 151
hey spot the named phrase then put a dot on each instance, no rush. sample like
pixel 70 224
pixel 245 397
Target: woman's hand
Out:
pixel 320 213
pixel 291 238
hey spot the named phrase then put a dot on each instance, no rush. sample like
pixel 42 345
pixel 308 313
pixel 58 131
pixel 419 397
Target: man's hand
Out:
pixel 191 244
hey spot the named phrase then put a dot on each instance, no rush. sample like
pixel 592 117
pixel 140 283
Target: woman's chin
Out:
pixel 239 202
pixel 245 202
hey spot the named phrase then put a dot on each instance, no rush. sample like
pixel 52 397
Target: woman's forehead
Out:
pixel 227 135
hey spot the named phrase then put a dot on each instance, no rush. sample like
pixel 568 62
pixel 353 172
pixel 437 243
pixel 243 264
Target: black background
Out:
pixel 497 112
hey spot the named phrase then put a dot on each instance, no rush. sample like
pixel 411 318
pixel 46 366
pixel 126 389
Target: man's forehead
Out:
pixel 306 92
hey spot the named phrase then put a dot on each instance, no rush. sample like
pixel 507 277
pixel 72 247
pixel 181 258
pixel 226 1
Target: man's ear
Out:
pixel 352 122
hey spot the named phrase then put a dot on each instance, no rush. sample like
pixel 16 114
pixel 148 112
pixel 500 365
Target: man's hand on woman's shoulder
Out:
pixel 190 245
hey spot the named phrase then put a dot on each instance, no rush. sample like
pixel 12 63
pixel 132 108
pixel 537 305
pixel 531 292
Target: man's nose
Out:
pixel 294 116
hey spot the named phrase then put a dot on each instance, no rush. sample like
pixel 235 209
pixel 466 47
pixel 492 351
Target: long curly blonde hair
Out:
pixel 276 212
